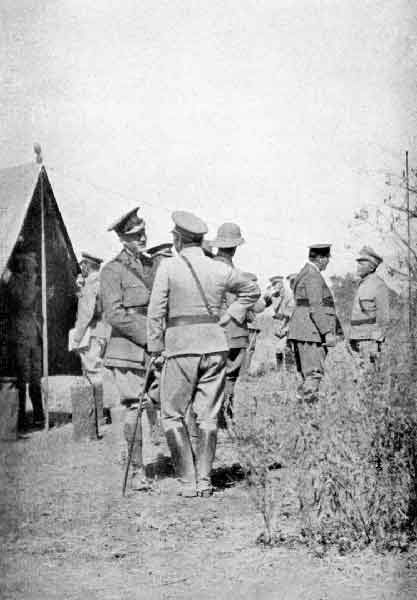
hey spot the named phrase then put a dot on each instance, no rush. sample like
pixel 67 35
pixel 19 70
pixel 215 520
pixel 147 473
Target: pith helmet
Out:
pixel 367 253
pixel 129 224
pixel 228 236
pixel 276 279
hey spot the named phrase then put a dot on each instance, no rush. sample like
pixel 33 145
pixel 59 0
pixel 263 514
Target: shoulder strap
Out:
pixel 134 272
pixel 199 286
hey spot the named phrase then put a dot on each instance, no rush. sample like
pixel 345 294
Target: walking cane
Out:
pixel 138 418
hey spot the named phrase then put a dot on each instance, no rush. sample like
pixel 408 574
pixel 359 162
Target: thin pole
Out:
pixel 407 198
pixel 44 305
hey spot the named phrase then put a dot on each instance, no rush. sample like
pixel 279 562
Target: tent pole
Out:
pixel 45 390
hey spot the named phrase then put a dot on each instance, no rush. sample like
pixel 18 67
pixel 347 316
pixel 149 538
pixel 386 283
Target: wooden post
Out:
pixel 44 302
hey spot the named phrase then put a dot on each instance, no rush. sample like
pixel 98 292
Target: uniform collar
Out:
pixel 224 259
pixel 313 265
pixel 192 251
pixel 126 256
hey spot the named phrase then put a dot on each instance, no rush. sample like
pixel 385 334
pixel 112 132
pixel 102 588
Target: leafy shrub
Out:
pixel 350 460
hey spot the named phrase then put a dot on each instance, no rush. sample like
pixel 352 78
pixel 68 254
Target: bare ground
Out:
pixel 67 533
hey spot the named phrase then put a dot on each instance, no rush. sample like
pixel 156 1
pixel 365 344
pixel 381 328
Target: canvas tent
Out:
pixel 21 191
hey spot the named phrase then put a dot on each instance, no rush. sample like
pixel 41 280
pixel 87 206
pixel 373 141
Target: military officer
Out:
pixel 25 333
pixel 283 299
pixel 125 285
pixel 184 324
pixel 312 327
pixel 91 332
pixel 370 310
pixel 228 239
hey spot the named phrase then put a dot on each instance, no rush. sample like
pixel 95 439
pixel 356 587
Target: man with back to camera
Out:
pixel 184 324
pixel 228 239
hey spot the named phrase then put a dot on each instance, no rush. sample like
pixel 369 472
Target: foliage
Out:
pixel 350 461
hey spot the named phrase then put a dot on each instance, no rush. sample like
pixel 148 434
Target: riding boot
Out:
pixel 21 415
pixel 205 458
pixel 154 427
pixel 182 456
pixel 192 427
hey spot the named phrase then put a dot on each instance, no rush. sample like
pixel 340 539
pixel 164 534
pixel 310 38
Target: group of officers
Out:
pixel 192 314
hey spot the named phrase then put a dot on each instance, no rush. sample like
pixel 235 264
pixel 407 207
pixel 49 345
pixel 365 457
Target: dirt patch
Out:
pixel 68 533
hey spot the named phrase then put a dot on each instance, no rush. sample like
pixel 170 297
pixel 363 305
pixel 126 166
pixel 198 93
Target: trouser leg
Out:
pixel 310 358
pixel 192 427
pixel 36 400
pixel 207 404
pixel 21 415
pixel 98 398
pixel 177 388
pixel 129 383
pixel 279 357
pixel 118 418
pixel 235 360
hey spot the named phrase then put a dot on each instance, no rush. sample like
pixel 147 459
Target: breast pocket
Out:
pixel 135 295
pixel 368 305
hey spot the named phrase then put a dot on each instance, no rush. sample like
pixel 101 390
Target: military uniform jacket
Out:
pixel 370 310
pixel 175 295
pixel 125 284
pixel 237 333
pixel 89 310
pixel 314 313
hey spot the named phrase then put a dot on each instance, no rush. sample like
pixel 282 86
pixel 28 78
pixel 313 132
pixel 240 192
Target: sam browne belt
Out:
pixel 325 302
pixel 138 310
pixel 191 320
pixel 364 321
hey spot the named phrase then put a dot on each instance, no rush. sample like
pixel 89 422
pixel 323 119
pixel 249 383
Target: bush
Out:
pixel 350 460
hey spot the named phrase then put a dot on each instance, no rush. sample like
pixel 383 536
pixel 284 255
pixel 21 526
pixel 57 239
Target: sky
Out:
pixel 282 116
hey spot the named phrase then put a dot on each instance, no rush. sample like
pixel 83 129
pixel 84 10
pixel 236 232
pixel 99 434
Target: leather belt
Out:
pixel 325 302
pixel 364 321
pixel 137 310
pixel 191 320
